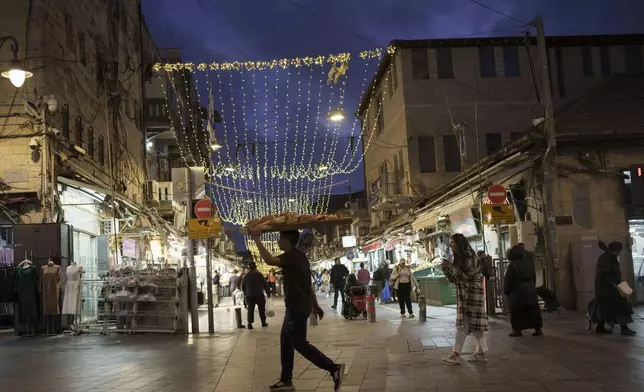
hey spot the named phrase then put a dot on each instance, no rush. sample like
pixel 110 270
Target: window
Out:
pixel 494 142
pixel 78 130
pixel 511 61
pixel 426 154
pixel 101 150
pixel 633 60
pixel 604 57
pixel 587 61
pixel 419 64
pixel 487 62
pixel 381 115
pixel 561 84
pixel 90 142
pixel 69 34
pixel 452 153
pixel 65 120
pixel 516 135
pixel 444 63
pixel 82 51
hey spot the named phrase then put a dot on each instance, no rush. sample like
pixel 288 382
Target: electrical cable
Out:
pixel 312 13
pixel 487 7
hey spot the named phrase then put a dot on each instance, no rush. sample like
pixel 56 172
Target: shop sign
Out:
pixel 391 245
pixel 372 247
pixel 498 214
pixel 129 248
pixel 202 229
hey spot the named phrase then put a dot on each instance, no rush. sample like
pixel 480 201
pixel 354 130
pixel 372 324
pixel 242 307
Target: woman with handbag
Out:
pixel 465 273
pixel 403 280
pixel 612 304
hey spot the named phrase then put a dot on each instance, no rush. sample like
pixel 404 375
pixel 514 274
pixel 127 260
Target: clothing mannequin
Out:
pixel 72 300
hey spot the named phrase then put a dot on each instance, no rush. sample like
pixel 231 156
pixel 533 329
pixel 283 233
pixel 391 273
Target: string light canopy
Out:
pixel 283 140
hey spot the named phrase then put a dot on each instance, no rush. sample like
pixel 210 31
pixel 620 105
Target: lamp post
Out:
pixel 17 72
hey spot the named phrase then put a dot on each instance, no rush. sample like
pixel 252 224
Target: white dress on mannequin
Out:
pixel 71 302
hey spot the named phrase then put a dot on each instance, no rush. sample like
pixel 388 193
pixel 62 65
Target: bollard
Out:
pixel 371 308
pixel 313 319
pixel 422 309
pixel 238 318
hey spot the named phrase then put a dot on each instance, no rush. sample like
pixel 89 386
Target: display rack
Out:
pixel 141 300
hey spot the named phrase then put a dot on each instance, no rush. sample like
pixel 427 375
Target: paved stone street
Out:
pixel 392 355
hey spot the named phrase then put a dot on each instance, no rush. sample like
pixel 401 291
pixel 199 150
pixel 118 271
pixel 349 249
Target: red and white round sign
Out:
pixel 497 194
pixel 204 209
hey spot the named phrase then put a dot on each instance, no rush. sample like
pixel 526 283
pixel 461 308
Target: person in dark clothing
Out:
pixel 254 286
pixel 339 275
pixel 519 285
pixel 612 307
pixel 300 301
pixel 216 287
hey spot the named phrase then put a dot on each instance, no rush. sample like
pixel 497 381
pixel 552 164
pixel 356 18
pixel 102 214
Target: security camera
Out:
pixel 33 143
pixel 54 131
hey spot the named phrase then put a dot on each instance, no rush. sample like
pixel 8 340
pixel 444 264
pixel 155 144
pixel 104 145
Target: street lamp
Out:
pixel 17 72
pixel 336 116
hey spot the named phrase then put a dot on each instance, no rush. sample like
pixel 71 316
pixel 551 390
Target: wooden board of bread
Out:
pixel 294 221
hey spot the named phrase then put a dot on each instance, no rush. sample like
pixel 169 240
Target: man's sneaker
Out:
pixel 338 375
pixel 249 326
pixel 282 386
pixel 411 315
pixel 453 359
pixel 477 357
pixel 264 325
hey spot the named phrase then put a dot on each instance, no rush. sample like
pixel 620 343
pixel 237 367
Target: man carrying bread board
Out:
pixel 300 301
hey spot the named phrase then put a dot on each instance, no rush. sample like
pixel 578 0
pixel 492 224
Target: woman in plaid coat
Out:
pixel 465 273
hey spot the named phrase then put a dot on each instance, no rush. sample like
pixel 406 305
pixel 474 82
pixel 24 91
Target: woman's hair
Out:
pixel 517 252
pixel 463 250
pixel 352 280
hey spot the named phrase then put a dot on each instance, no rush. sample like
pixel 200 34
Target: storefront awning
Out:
pixel 430 217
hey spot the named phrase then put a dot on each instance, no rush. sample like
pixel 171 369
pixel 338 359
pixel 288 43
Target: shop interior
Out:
pixel 636 228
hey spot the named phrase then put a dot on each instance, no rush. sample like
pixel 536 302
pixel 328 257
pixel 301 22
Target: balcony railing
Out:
pixel 391 190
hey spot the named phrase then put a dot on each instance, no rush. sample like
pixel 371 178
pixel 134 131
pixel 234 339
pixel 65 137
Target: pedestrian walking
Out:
pixel 403 281
pixel 325 282
pixel 364 277
pixel 235 281
pixel 271 280
pixel 519 284
pixel 379 278
pixel 300 301
pixel 465 273
pixel 612 306
pixel 254 286
pixel 216 287
pixel 339 275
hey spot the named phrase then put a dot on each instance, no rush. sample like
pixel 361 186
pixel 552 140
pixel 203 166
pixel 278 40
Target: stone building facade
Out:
pixel 435 96
pixel 87 56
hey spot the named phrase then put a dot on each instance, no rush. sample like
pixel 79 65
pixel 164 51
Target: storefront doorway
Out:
pixel 636 228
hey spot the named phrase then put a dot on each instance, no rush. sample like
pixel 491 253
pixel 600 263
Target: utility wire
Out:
pixel 312 13
pixel 487 7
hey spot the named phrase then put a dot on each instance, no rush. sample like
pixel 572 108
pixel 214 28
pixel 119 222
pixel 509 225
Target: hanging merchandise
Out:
pixel 281 144
pixel 72 299
pixel 50 288
pixel 26 289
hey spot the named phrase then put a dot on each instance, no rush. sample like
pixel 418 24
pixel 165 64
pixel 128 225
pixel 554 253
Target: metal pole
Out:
pixel 549 174
pixel 499 244
pixel 192 271
pixel 211 298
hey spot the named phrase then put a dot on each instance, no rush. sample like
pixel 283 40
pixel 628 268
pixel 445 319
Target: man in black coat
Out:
pixel 339 275
pixel 612 306
pixel 519 285
pixel 254 286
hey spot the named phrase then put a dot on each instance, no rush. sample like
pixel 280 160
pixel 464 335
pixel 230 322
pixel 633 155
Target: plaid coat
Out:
pixel 470 298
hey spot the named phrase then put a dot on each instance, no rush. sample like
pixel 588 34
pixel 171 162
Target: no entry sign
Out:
pixel 204 209
pixel 497 194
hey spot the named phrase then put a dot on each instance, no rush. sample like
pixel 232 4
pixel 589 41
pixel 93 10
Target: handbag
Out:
pixel 270 308
pixel 624 289
pixel 385 294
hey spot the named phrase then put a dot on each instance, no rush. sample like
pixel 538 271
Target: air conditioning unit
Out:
pixel 152 191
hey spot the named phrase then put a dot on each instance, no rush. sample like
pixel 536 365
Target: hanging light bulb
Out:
pixel 215 145
pixel 150 143
pixel 249 201
pixel 17 73
pixel 291 200
pixel 230 169
pixel 336 116
pixel 323 167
